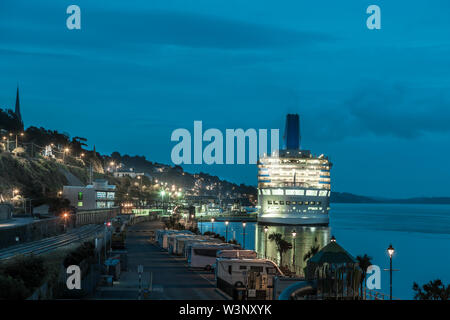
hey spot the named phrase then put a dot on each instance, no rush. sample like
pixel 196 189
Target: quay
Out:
pixel 164 276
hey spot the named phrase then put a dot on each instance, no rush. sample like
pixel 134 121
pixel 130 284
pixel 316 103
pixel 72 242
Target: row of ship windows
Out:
pixel 288 203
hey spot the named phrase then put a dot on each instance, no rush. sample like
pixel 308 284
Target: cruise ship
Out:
pixel 293 185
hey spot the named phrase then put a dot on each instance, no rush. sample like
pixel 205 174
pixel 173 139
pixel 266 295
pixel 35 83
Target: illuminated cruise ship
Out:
pixel 293 185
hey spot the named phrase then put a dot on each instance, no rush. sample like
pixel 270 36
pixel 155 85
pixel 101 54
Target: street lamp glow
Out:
pixel 227 222
pixel 266 228
pixel 294 233
pixel 212 219
pixel 244 224
pixel 333 239
pixel 390 251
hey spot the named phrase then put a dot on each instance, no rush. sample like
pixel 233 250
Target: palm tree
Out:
pixel 364 263
pixel 312 251
pixel 433 290
pixel 282 245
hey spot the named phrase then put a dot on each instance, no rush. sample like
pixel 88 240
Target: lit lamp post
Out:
pixel 266 229
pixel 65 216
pixel 243 226
pixel 226 230
pixel 391 252
pixel 294 233
pixel 21 134
pixel 66 150
pixel 212 225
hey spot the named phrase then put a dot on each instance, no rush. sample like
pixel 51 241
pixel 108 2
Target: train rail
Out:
pixel 51 243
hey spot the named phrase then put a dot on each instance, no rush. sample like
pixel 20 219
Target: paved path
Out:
pixel 172 279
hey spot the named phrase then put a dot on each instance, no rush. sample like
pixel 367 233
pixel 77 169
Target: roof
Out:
pixel 332 253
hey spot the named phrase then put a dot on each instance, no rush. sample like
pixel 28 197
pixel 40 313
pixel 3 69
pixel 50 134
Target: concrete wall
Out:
pixel 5 211
pixel 33 231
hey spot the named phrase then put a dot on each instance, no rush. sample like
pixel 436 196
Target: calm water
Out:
pixel 420 235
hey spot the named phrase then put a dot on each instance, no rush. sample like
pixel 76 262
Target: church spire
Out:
pixel 17 111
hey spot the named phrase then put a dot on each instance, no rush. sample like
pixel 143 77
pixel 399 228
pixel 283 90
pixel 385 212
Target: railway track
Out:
pixel 52 243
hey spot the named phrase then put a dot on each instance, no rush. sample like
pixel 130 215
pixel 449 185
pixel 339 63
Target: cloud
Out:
pixel 383 110
pixel 202 31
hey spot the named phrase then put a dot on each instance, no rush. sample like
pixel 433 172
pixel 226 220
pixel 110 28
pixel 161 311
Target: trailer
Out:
pixel 203 255
pixel 254 277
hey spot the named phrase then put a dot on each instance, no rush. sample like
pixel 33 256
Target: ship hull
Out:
pixel 295 221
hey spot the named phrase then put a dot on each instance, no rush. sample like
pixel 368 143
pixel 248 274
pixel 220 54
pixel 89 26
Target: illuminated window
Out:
pixel 288 203
pixel 306 202
pixel 80 203
pixel 311 192
pixel 281 202
pixel 80 196
pixel 101 195
pixel 277 192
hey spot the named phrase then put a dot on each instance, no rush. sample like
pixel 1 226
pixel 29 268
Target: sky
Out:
pixel 377 102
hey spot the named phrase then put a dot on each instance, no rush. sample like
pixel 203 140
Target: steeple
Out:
pixel 17 111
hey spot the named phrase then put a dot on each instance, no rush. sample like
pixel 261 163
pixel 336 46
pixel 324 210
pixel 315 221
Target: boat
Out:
pixel 294 185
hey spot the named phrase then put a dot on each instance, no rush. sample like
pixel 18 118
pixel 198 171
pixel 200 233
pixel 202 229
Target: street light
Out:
pixel 226 232
pixel 66 150
pixel 294 233
pixel 266 229
pixel 243 225
pixel 212 225
pixel 391 252
pixel 65 216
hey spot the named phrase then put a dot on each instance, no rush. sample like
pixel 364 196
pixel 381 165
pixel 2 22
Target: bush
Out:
pixel 85 251
pixel 12 289
pixel 29 269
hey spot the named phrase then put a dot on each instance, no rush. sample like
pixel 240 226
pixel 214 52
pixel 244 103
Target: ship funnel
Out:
pixel 292 132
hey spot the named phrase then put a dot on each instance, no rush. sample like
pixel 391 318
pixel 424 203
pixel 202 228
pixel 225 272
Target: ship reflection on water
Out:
pixel 301 238
pixel 254 237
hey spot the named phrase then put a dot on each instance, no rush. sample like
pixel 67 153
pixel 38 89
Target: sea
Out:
pixel 420 235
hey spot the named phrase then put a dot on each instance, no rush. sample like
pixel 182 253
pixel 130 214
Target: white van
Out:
pixel 237 254
pixel 203 255
pixel 232 274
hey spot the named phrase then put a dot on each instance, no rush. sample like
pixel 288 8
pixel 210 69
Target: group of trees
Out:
pixel 9 121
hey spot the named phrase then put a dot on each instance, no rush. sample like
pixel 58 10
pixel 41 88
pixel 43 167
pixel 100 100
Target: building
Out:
pixel 131 174
pixel 98 195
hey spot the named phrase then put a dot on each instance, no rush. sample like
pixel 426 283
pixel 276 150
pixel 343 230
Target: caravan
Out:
pixel 255 276
pixel 203 255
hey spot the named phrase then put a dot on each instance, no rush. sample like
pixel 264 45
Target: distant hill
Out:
pixel 344 197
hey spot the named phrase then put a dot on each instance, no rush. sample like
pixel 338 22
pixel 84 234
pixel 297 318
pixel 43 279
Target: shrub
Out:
pixel 13 289
pixel 29 269
pixel 85 251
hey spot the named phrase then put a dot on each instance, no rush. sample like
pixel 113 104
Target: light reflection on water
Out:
pixel 419 233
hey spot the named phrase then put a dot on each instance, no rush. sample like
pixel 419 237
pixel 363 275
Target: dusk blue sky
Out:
pixel 376 101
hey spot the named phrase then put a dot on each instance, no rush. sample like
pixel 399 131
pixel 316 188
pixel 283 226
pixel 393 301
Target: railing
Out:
pixel 375 295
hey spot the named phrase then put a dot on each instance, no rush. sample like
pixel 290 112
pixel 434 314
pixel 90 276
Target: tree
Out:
pixel 364 263
pixel 433 290
pixel 282 245
pixel 312 251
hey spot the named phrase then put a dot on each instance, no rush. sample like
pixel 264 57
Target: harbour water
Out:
pixel 420 235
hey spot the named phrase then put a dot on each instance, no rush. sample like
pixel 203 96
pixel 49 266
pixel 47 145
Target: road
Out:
pixel 171 278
